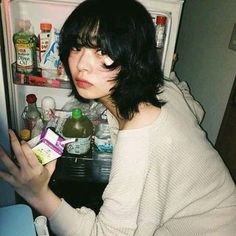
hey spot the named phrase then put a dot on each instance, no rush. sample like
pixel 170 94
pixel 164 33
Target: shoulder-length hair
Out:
pixel 124 30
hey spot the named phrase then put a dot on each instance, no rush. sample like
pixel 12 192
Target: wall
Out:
pixel 204 60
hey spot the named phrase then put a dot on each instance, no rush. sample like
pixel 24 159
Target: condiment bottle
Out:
pixel 160 31
pixel 24 134
pixel 43 39
pixel 31 114
pixel 81 128
pixel 25 43
pixel 48 106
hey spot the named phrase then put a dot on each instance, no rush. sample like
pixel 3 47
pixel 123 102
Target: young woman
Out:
pixel 166 178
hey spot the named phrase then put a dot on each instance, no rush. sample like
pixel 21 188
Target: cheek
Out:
pixel 104 83
pixel 71 64
pixel 110 80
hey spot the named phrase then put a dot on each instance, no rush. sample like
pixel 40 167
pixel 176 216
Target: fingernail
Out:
pixel 11 132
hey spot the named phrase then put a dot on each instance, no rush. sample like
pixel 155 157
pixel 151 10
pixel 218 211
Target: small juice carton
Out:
pixel 47 146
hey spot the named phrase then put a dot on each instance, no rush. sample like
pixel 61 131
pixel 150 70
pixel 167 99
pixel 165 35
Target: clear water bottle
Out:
pixel 80 128
pixel 102 139
pixel 32 116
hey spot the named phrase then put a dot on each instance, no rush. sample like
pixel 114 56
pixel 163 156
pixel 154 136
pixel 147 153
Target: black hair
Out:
pixel 124 30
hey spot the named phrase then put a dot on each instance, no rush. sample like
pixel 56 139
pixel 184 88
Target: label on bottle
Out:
pixel 160 34
pixel 24 58
pixel 103 144
pixel 80 146
pixel 43 43
pixel 102 139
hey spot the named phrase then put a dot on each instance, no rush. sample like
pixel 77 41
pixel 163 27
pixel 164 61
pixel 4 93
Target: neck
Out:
pixel 107 102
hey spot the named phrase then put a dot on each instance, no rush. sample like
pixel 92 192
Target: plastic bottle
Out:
pixel 43 40
pixel 32 116
pixel 25 43
pixel 102 139
pixel 160 30
pixel 80 128
pixel 48 106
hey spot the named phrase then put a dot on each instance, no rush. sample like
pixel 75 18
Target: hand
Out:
pixel 29 178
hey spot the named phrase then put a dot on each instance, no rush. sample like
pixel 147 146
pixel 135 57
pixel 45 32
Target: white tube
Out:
pixel 40 223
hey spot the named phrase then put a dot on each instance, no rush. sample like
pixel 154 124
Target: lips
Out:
pixel 83 84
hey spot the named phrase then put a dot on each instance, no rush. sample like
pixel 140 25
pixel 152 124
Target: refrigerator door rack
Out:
pixel 38 80
pixel 162 52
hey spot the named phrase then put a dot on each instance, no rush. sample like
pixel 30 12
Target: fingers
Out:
pixel 23 153
pixel 30 157
pixel 16 146
pixel 10 165
pixel 51 166
pixel 7 177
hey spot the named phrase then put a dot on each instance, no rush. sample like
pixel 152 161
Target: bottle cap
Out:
pixel 76 113
pixel 24 24
pixel 161 20
pixel 45 26
pixel 31 98
pixel 25 134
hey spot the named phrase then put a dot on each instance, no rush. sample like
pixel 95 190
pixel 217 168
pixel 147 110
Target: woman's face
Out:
pixel 92 80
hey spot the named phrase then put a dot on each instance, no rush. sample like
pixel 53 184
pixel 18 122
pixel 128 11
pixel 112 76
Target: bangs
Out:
pixel 86 35
pixel 90 34
pixel 92 26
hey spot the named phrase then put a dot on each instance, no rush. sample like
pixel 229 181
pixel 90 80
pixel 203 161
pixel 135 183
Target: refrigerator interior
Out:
pixel 55 12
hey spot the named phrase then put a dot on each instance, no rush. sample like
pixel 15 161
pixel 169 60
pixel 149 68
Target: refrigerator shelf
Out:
pixel 38 80
pixel 91 167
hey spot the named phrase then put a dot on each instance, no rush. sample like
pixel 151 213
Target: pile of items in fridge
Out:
pixel 77 130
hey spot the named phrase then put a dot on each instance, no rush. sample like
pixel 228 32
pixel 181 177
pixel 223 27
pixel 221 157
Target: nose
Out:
pixel 83 59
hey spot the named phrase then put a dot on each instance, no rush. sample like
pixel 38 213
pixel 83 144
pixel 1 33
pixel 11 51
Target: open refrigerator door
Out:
pixel 7 193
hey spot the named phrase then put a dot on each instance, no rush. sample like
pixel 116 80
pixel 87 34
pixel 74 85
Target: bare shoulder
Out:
pixel 146 116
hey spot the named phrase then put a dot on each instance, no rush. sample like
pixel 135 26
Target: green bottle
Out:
pixel 25 43
pixel 80 128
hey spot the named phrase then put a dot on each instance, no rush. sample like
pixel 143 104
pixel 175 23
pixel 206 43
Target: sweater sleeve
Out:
pixel 119 213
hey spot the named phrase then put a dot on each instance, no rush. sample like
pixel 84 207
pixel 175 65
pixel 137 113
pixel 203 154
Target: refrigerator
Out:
pixel 13 93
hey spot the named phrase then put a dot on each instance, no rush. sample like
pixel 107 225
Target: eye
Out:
pixel 106 59
pixel 75 49
pixel 100 52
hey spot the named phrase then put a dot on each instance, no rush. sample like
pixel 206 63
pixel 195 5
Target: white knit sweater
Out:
pixel 166 179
